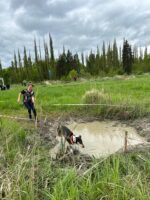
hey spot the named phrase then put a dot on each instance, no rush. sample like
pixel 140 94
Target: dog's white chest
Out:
pixel 74 138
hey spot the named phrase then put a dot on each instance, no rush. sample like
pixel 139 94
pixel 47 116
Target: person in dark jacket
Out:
pixel 28 100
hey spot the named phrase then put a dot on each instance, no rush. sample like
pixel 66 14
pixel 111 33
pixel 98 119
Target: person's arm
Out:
pixel 33 99
pixel 19 96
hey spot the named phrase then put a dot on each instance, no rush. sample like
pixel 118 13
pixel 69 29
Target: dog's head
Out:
pixel 79 140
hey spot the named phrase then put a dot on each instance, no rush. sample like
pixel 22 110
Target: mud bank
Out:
pixel 142 126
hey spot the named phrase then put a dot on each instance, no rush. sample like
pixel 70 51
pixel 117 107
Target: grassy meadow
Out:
pixel 125 94
pixel 28 173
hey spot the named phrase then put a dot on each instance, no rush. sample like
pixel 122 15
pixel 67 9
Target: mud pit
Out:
pixel 102 138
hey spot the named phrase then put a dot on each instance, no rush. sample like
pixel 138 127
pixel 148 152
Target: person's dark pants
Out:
pixel 30 107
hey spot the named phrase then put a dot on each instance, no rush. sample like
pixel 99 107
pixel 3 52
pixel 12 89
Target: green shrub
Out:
pixel 73 74
pixel 65 78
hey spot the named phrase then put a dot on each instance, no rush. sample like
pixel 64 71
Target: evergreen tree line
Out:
pixel 109 60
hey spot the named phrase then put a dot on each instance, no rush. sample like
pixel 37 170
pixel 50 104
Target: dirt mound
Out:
pixel 74 158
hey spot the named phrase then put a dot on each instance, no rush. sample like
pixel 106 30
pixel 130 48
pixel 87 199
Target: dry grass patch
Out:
pixel 95 96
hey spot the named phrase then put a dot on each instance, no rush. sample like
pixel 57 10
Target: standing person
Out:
pixel 28 100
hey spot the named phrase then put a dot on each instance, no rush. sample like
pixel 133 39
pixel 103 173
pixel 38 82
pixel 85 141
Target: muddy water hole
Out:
pixel 100 137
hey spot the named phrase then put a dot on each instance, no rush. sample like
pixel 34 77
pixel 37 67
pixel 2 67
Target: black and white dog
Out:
pixel 65 132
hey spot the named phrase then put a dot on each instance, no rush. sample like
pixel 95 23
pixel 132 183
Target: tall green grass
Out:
pixel 130 95
pixel 27 172
pixel 117 178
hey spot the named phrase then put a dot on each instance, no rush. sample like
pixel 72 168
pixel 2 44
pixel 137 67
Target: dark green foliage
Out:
pixel 51 49
pixel 91 63
pixel 46 63
pixel 109 57
pixel 108 60
pixel 76 63
pixel 29 60
pixel 105 62
pixel 15 61
pixel 66 63
pixel 145 54
pixel 115 60
pixel 35 51
pixel 103 57
pixel 12 64
pixel 61 66
pixel 19 60
pixel 25 59
pixel 40 58
pixel 127 57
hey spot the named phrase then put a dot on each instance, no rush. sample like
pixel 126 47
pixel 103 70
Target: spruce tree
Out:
pixel 145 54
pixel 91 63
pixel 103 57
pixel 109 57
pixel 46 65
pixel 35 51
pixel 76 63
pixel 70 62
pixel 15 60
pixel 127 57
pixel 19 59
pixel 25 59
pixel 82 58
pixel 115 55
pixel 40 51
pixel 97 67
pixel 61 66
pixel 120 55
pixel 51 48
pixel 29 60
pixel 12 64
pixel 1 66
pixel 46 53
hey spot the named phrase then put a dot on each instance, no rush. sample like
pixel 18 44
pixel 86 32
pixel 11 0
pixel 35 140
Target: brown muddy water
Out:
pixel 102 138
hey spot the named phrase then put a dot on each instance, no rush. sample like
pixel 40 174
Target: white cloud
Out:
pixel 77 24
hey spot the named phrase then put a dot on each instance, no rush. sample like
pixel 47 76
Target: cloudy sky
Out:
pixel 77 24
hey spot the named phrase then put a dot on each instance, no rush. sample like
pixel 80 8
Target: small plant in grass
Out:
pixel 66 79
pixel 73 74
pixel 24 83
pixel 95 96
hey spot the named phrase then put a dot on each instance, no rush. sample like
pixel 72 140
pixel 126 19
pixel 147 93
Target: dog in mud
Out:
pixel 72 139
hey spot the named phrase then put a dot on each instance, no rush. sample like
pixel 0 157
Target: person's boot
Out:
pixel 35 115
pixel 30 116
